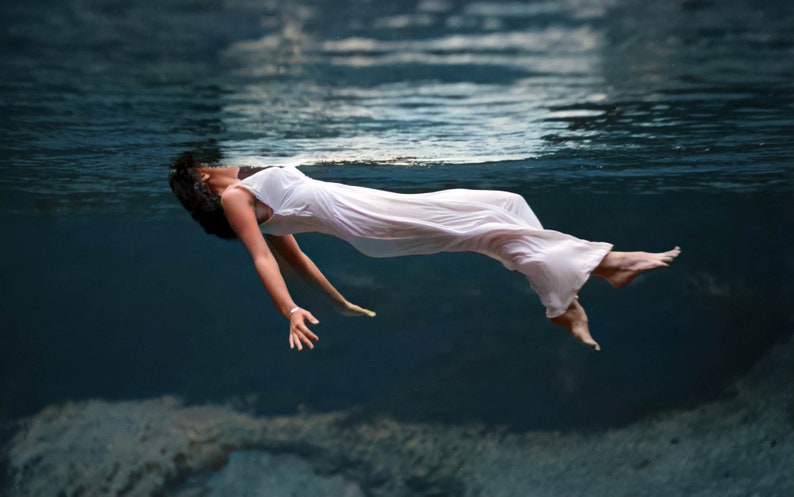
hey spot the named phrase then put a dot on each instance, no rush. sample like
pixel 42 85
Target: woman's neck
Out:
pixel 219 178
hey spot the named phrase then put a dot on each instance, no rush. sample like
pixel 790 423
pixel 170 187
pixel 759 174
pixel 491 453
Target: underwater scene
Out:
pixel 141 357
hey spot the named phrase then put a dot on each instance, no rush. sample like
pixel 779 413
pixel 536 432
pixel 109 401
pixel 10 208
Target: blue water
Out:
pixel 646 124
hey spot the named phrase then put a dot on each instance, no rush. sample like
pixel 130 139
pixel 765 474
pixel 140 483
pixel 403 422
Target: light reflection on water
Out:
pixel 663 90
pixel 441 87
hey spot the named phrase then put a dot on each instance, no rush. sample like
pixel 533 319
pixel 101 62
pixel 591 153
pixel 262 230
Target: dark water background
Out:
pixel 646 124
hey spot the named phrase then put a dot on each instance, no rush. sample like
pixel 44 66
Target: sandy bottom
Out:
pixel 739 446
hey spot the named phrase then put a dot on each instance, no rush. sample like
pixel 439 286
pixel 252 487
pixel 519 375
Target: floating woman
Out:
pixel 265 209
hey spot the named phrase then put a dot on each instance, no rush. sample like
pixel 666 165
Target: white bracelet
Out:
pixel 292 311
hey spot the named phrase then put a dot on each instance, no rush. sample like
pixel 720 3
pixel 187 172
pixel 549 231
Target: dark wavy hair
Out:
pixel 195 195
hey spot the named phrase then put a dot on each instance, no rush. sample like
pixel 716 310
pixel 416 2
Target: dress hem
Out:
pixel 598 256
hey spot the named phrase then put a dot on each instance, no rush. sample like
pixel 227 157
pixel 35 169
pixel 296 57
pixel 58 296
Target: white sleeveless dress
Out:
pixel 385 224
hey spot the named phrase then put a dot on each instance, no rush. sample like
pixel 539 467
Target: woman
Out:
pixel 278 202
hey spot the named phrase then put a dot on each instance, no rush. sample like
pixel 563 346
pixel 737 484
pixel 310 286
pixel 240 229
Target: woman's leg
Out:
pixel 619 269
pixel 575 321
pixel 555 264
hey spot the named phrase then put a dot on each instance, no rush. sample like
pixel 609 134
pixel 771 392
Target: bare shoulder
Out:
pixel 238 207
pixel 237 197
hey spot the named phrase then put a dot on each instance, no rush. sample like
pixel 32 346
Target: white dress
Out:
pixel 385 224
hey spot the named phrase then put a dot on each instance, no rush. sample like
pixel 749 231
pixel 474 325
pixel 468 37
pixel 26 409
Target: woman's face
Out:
pixel 219 172
pixel 218 178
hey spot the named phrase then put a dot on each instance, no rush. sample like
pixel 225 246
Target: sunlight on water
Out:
pixel 408 99
pixel 608 86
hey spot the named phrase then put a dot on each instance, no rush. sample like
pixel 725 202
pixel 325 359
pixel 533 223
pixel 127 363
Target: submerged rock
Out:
pixel 255 473
pixel 738 446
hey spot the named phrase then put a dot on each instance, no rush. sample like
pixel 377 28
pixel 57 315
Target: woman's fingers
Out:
pixel 312 319
pixel 298 338
pixel 367 312
pixel 294 341
pixel 300 334
pixel 354 310
pixel 306 336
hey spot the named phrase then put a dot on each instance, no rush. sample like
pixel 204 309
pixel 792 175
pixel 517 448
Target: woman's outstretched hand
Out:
pixel 349 309
pixel 299 333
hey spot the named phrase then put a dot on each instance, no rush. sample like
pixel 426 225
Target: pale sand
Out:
pixel 740 446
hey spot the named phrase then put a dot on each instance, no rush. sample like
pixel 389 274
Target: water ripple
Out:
pixel 113 91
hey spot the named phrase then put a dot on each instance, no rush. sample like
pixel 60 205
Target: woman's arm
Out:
pixel 288 248
pixel 238 206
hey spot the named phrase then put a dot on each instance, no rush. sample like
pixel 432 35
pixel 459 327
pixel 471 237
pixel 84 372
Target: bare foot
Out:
pixel 620 268
pixel 575 321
